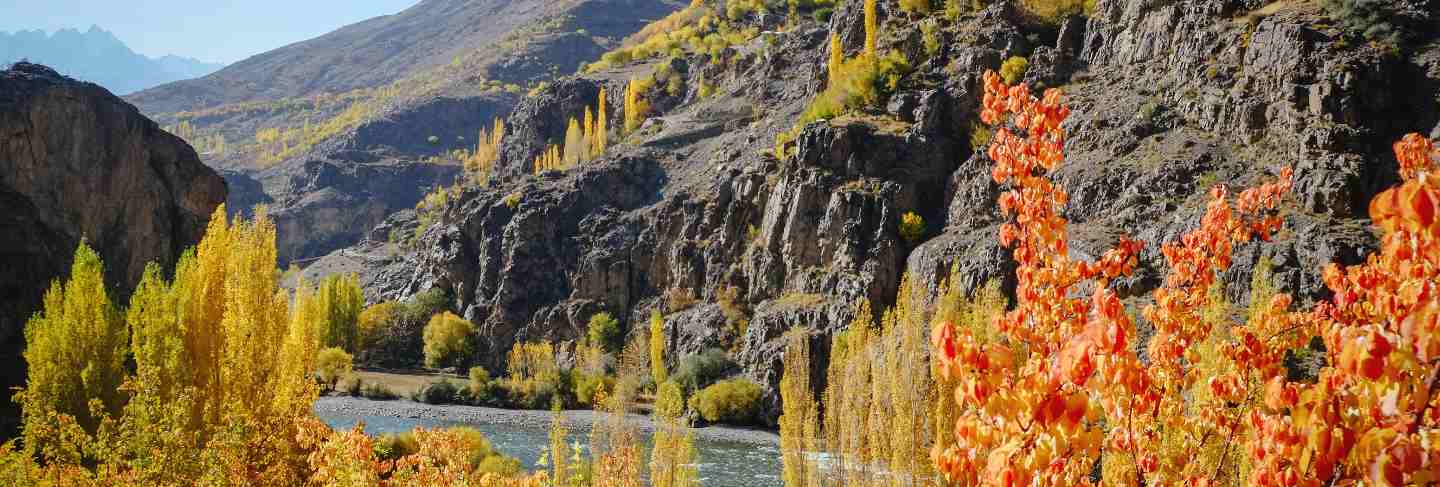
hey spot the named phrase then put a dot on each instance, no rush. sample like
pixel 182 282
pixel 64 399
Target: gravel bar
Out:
pixel 582 418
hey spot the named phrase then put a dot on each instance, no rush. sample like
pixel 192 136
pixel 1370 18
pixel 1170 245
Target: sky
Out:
pixel 209 30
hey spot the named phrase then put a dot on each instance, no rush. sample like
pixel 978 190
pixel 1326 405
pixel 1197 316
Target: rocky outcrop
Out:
pixel 1168 100
pixel 78 164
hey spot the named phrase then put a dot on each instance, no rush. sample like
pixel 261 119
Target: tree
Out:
pixel 673 457
pixel 574 144
pixel 602 124
pixel 332 364
pixel 872 28
pixel 657 347
pixel 837 57
pixel 341 301
pixel 800 417
pixel 447 340
pixel 603 331
pixel 1063 367
pixel 75 351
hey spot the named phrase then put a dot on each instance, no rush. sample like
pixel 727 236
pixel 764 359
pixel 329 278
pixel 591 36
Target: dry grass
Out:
pixel 404 384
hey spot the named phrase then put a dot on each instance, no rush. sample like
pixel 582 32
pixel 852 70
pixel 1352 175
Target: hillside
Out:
pixel 98 56
pixel 739 220
pixel 78 164
pixel 334 154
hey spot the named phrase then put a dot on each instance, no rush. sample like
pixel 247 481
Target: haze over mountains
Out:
pixel 96 55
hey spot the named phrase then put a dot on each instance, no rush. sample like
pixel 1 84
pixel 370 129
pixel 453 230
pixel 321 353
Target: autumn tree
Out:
pixel 672 461
pixel 447 340
pixel 75 352
pixel 1063 384
pixel 602 126
pixel 800 415
pixel 837 57
pixel 657 348
pixel 872 28
pixel 341 301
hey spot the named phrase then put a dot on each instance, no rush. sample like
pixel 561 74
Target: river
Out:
pixel 727 457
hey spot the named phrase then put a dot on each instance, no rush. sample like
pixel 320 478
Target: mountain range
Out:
pixel 96 55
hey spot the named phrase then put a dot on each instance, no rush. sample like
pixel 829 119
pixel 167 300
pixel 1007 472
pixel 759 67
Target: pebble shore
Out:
pixel 524 418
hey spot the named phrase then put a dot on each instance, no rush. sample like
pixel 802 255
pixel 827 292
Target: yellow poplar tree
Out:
pixel 800 415
pixel 672 461
pixel 872 27
pixel 574 139
pixel 587 135
pixel 657 347
pixel 75 348
pixel 837 57
pixel 602 125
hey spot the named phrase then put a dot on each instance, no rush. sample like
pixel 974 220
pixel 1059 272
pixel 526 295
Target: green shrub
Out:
pixel 603 331
pixel 1369 19
pixel 822 15
pixel 922 7
pixel 930 32
pixel 480 390
pixel 391 333
pixel 331 364
pixel 912 227
pixel 735 401
pixel 585 386
pixel 980 135
pixel 699 370
pixel 1013 69
pixel 441 391
pixel 378 392
pixel 392 446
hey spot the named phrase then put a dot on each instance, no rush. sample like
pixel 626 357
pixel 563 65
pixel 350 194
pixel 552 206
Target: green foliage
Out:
pixel 391 334
pixel 603 331
pixel 331 364
pixel 341 301
pixel 1369 19
pixel 441 391
pixel 912 227
pixel 1013 69
pixel 377 391
pixel 585 386
pixel 980 135
pixel 735 401
pixel 930 34
pixel 393 446
pixel 447 340
pixel 1053 11
pixel 697 371
pixel 822 15
pixel 76 353
pixel 860 82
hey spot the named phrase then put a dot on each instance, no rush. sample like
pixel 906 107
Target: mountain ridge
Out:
pixel 97 55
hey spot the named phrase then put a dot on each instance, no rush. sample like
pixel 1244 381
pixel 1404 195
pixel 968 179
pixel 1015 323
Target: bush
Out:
pixel 1013 69
pixel 585 386
pixel 331 364
pixel 392 446
pixel 481 390
pixel 538 393
pixel 378 392
pixel 447 340
pixel 860 82
pixel 735 401
pixel 391 334
pixel 912 227
pixel 699 370
pixel 604 331
pixel 921 7
pixel 441 391
pixel 1053 11
pixel 822 15
pixel 1369 19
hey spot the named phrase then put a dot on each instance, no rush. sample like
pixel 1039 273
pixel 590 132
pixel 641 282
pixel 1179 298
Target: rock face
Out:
pixel 77 163
pixel 1168 99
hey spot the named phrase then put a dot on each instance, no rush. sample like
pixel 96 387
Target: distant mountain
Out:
pixel 98 56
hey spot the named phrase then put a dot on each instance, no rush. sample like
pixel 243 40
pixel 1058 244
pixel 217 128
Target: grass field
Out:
pixel 403 383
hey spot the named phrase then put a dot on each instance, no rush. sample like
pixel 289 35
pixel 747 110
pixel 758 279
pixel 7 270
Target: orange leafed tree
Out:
pixel 1065 387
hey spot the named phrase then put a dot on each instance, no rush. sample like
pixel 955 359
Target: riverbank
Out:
pixel 574 419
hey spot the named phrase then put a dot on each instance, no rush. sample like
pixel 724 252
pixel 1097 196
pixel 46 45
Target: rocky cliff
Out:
pixel 1169 99
pixel 79 164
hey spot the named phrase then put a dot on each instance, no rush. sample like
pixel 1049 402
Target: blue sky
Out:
pixel 210 30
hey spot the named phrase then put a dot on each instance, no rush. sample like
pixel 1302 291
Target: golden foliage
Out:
pixel 447 340
pixel 657 348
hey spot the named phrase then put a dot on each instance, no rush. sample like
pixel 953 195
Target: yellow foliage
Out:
pixel 657 348
pixel 872 28
pixel 447 340
pixel 1013 69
